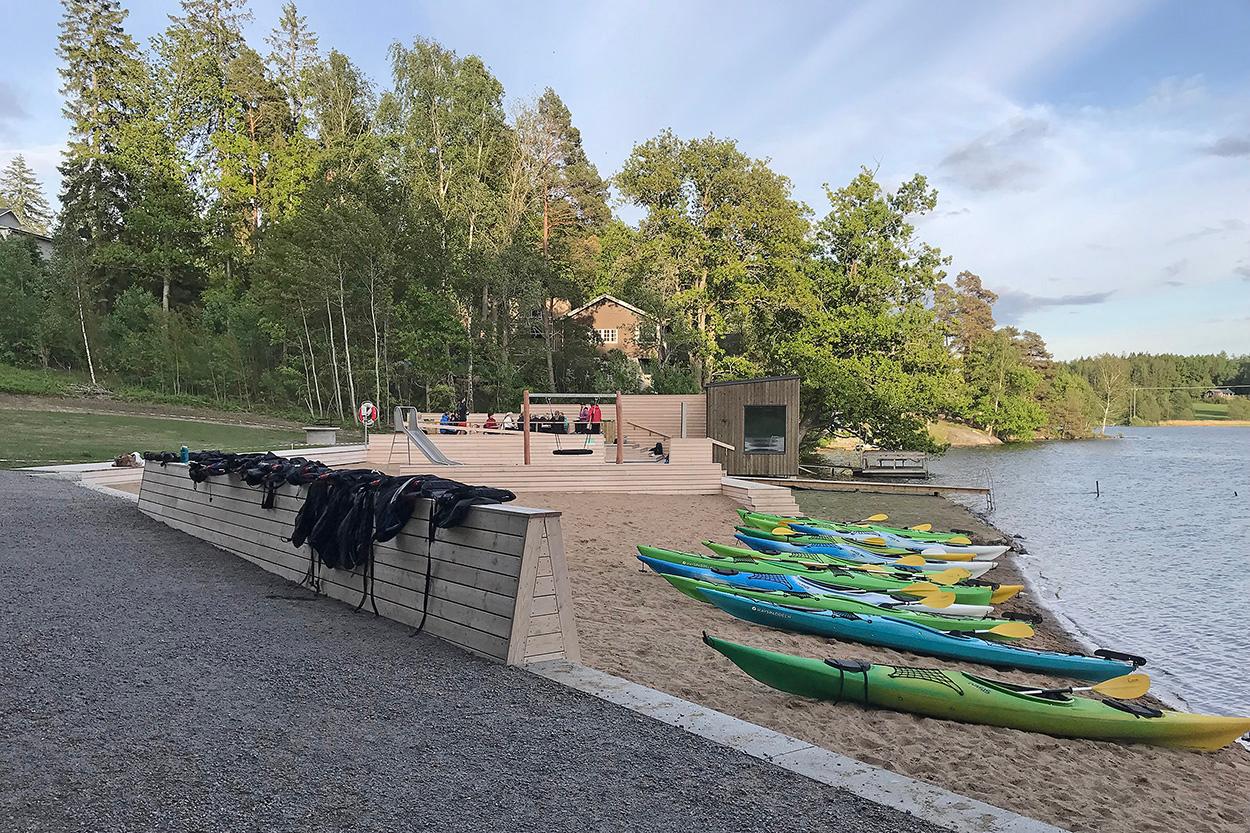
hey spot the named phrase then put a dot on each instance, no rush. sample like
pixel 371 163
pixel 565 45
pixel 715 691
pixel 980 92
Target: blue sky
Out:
pixel 1093 158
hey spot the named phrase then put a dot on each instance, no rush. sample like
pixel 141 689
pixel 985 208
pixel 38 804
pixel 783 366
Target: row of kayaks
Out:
pixel 891 587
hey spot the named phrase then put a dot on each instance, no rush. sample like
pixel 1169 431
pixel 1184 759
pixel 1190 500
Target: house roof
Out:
pixel 18 227
pixel 599 299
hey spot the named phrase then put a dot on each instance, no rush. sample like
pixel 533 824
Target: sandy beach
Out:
pixel 631 623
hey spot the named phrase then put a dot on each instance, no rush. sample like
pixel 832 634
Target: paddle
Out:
pixel 921 527
pixel 911 561
pixel 938 600
pixel 1126 687
pixel 918 588
pixel 874 541
pixel 961 540
pixel 954 575
pixel 784 530
pixel 1014 630
pixel 874 519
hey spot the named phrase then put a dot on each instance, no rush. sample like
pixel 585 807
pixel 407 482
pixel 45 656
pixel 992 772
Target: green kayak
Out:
pixel 736 559
pixel 767 522
pixel 954 695
pixel 841 604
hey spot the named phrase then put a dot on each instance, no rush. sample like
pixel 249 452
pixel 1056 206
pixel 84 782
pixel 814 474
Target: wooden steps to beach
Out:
pixel 760 497
pixel 638 478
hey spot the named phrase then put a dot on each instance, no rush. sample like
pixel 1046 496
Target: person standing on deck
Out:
pixel 582 417
pixel 596 417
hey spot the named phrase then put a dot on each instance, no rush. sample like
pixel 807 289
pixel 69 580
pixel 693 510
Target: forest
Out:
pixel 261 225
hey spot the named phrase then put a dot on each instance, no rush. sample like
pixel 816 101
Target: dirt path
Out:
pixel 19 402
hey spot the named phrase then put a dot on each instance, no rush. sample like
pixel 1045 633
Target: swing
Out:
pixel 585 449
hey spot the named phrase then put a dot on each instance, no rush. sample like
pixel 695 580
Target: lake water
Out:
pixel 1158 565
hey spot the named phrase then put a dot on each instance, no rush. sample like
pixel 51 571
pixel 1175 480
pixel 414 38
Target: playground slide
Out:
pixel 427 447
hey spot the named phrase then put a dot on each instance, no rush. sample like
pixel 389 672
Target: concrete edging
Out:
pixel 931 803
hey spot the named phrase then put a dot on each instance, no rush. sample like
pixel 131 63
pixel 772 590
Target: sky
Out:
pixel 1092 158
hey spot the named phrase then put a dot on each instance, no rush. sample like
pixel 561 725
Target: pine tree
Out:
pixel 194 54
pixel 20 190
pixel 102 71
pixel 293 52
pixel 101 66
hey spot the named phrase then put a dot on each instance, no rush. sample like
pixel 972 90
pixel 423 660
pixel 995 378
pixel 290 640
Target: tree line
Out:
pixel 265 225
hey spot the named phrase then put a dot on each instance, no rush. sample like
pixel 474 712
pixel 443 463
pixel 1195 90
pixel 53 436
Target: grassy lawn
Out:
pixel 31 438
pixel 1210 410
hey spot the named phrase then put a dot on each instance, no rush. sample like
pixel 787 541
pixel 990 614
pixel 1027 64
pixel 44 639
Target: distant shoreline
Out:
pixel 1178 423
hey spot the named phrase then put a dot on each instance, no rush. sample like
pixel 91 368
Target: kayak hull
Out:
pixel 766 582
pixel 951 552
pixel 834 575
pixel 763 520
pixel 954 695
pixel 975 568
pixel 917 639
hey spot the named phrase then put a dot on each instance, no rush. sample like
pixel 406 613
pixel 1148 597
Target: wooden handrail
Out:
pixel 721 444
pixel 649 430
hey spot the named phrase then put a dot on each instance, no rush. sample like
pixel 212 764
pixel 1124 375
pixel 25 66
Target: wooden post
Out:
pixel 620 431
pixel 525 416
pixel 682 433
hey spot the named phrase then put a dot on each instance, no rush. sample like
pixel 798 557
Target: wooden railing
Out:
pixel 650 431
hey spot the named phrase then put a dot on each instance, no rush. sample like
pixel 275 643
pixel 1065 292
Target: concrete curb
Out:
pixel 933 804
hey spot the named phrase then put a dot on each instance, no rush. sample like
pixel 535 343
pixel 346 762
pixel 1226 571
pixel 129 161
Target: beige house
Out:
pixel 619 325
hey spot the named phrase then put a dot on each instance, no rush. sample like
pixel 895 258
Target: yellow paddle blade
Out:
pixel 784 530
pixel 960 540
pixel 876 519
pixel 1013 630
pixel 921 527
pixel 912 561
pixel 940 599
pixel 870 568
pixel 952 576
pixel 1128 687
pixel 876 542
pixel 920 588
pixel 1003 592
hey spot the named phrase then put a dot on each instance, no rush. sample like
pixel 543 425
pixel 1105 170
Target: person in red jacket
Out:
pixel 596 417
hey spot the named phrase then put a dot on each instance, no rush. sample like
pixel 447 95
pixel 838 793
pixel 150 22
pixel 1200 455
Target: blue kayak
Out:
pixel 921 639
pixel 855 555
pixel 797 584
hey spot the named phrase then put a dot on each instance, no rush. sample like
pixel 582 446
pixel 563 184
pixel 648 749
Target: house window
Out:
pixel 607 336
pixel 764 429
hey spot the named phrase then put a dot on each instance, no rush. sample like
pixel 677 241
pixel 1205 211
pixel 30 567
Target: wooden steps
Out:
pixel 638 478
pixel 760 497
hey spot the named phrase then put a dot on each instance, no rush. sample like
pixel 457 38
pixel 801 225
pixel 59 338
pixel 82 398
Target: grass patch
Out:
pixel 32 438
pixel 28 382
pixel 1210 410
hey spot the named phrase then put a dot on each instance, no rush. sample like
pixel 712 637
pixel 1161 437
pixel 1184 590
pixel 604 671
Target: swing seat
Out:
pixel 572 451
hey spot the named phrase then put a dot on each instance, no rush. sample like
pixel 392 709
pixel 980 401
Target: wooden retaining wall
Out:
pixel 499 585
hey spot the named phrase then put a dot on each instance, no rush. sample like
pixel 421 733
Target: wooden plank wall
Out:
pixel 725 403
pixel 662 412
pixel 498 583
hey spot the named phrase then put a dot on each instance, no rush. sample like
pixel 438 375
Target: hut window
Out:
pixel 764 429
pixel 607 336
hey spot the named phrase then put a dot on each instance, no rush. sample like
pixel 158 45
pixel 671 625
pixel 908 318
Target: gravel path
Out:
pixel 151 682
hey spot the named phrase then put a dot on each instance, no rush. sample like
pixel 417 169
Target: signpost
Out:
pixel 367 413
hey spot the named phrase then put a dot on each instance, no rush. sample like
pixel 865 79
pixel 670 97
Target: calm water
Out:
pixel 1159 565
